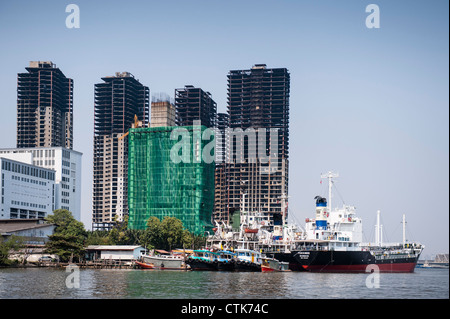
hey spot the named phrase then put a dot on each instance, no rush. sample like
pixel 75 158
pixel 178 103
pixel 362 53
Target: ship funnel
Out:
pixel 320 201
pixel 321 213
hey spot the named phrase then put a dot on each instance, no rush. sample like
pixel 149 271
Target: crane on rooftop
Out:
pixel 136 124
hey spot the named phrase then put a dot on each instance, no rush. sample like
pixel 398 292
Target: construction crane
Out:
pixel 136 123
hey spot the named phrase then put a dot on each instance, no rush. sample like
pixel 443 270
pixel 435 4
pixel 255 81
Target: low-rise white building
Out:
pixel 114 252
pixel 32 231
pixel 67 166
pixel 27 191
pixel 34 234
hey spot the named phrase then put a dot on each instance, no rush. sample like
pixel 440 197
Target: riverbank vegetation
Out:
pixel 70 238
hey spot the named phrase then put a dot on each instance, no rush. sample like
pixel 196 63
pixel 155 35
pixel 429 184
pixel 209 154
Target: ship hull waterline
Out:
pixel 353 262
pixel 202 265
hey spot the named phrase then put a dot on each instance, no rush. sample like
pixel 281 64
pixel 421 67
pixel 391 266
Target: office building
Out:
pixel 44 107
pixel 119 101
pixel 27 191
pixel 65 163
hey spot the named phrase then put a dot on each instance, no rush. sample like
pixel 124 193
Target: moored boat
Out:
pixel 273 265
pixel 143 265
pixel 333 243
pixel 203 259
pixel 247 260
pixel 226 260
pixel 164 261
pixel 357 261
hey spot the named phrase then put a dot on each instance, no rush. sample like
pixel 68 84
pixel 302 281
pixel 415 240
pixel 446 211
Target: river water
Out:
pixel 50 283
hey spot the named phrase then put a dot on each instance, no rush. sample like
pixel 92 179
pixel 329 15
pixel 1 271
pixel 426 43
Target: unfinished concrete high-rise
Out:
pixel 160 186
pixel 162 111
pixel 194 104
pixel 118 99
pixel 220 173
pixel 44 107
pixel 257 163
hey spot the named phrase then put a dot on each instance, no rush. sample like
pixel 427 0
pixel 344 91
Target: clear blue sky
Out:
pixel 371 104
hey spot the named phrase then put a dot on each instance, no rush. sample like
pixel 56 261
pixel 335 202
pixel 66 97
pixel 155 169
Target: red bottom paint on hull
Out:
pixel 145 265
pixel 267 269
pixel 383 268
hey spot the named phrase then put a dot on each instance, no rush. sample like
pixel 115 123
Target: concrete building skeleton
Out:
pixel 258 99
pixel 44 107
pixel 117 101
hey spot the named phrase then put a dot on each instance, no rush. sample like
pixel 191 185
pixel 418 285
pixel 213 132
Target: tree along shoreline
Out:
pixel 70 239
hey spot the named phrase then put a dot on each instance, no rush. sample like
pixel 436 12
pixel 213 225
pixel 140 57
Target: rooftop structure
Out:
pixel 162 112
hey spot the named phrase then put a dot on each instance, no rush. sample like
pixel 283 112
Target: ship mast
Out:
pixel 283 214
pixel 330 175
pixel 377 230
pixel 404 229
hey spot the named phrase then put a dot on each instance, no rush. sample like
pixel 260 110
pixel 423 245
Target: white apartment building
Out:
pixel 67 166
pixel 27 191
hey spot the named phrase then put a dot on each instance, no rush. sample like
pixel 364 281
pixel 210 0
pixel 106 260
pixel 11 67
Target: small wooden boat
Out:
pixel 144 265
pixel 272 264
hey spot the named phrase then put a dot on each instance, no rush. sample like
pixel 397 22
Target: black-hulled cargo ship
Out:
pixel 333 243
pixel 330 242
pixel 401 260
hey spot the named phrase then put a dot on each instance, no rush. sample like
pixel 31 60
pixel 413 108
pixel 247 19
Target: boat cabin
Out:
pixel 249 255
pixel 226 255
pixel 205 254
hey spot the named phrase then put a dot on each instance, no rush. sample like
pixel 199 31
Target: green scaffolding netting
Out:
pixel 162 184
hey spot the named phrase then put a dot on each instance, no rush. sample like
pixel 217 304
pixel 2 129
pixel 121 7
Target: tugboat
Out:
pixel 203 259
pixel 248 260
pixel 226 260
pixel 333 243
